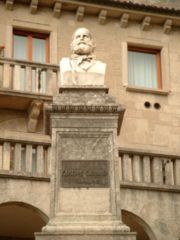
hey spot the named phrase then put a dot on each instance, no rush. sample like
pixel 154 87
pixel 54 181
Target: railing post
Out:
pixel 29 78
pixel 40 159
pixel 6 155
pixel 56 83
pixel 7 75
pixel 1 157
pixel 49 160
pixel 17 157
pixel 137 169
pixel 16 79
pixel 157 170
pixel 146 169
pixel 29 158
pixel 169 175
pixel 127 167
pixel 50 81
pixel 177 172
pixel 1 74
pixel 120 169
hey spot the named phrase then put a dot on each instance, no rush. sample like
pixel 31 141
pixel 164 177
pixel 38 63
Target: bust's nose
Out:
pixel 82 37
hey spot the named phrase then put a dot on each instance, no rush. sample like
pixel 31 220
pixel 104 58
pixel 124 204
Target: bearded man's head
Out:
pixel 82 42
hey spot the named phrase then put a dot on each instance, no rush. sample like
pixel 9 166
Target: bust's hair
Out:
pixel 82 28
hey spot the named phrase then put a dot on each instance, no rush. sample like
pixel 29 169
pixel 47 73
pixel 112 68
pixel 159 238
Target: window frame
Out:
pixel 30 35
pixel 157 53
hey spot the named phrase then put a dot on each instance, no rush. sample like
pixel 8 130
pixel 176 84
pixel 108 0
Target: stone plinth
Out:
pixel 85 236
pixel 85 201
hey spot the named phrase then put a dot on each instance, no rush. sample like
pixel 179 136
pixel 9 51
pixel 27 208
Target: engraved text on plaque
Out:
pixel 85 173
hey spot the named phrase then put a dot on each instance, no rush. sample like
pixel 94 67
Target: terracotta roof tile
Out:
pixel 165 4
pixel 170 7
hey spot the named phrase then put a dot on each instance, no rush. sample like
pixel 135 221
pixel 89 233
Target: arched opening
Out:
pixel 138 225
pixel 19 221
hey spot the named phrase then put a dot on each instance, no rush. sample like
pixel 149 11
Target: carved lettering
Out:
pixel 78 174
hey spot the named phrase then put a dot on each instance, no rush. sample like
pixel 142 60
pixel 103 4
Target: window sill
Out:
pixel 147 90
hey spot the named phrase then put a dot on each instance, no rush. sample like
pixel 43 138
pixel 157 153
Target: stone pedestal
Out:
pixel 85 190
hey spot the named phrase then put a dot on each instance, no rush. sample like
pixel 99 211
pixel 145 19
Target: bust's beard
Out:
pixel 82 49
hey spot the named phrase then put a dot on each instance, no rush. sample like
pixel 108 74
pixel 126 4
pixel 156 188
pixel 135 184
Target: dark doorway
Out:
pixel 19 221
pixel 138 225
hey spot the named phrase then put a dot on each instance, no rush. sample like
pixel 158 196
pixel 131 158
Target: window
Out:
pixel 31 46
pixel 144 68
pixel 34 47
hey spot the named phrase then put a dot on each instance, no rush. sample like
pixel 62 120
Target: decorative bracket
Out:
pixel 167 26
pixel 9 4
pixel 33 114
pixel 146 23
pixel 124 20
pixel 102 16
pixel 80 13
pixel 57 9
pixel 33 6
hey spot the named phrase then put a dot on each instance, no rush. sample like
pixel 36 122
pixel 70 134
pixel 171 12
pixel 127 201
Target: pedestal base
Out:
pixel 85 236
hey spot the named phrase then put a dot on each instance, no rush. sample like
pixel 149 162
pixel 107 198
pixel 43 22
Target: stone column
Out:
pixel 84 123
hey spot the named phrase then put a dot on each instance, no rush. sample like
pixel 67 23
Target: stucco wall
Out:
pixel 142 128
pixel 148 129
pixel 159 210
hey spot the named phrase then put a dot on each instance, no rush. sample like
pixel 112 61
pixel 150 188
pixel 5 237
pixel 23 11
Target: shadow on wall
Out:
pixel 20 220
pixel 138 225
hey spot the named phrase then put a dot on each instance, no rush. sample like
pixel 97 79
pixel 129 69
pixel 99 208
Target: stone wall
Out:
pixel 155 129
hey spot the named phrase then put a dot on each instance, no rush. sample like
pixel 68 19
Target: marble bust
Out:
pixel 82 68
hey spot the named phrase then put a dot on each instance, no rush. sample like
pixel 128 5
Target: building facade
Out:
pixel 139 41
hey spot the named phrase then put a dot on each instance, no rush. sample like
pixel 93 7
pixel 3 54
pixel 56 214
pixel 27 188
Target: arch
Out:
pixel 20 220
pixel 137 224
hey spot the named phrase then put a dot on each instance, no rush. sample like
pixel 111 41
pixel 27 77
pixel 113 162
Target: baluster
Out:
pixel 34 159
pixel 17 158
pixel 120 169
pixel 1 159
pixel 1 74
pixel 56 83
pixel 7 76
pixel 169 174
pixel 157 170
pixel 50 81
pixel 43 81
pixel 37 90
pixel 40 159
pixel 127 167
pixel 29 79
pixel 23 80
pixel 146 169
pixel 29 158
pixel 17 77
pixel 33 72
pixel 177 172
pixel 137 169
pixel 49 160
pixel 6 155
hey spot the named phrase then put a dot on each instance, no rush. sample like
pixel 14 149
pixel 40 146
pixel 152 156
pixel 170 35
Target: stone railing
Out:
pixel 149 168
pixel 28 76
pixel 24 158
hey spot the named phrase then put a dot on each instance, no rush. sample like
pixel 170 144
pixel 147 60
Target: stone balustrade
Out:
pixel 28 76
pixel 149 168
pixel 28 158
pixel 24 158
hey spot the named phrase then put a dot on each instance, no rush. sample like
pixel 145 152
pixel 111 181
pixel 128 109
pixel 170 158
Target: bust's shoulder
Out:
pixel 100 63
pixel 65 64
pixel 99 67
pixel 64 60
